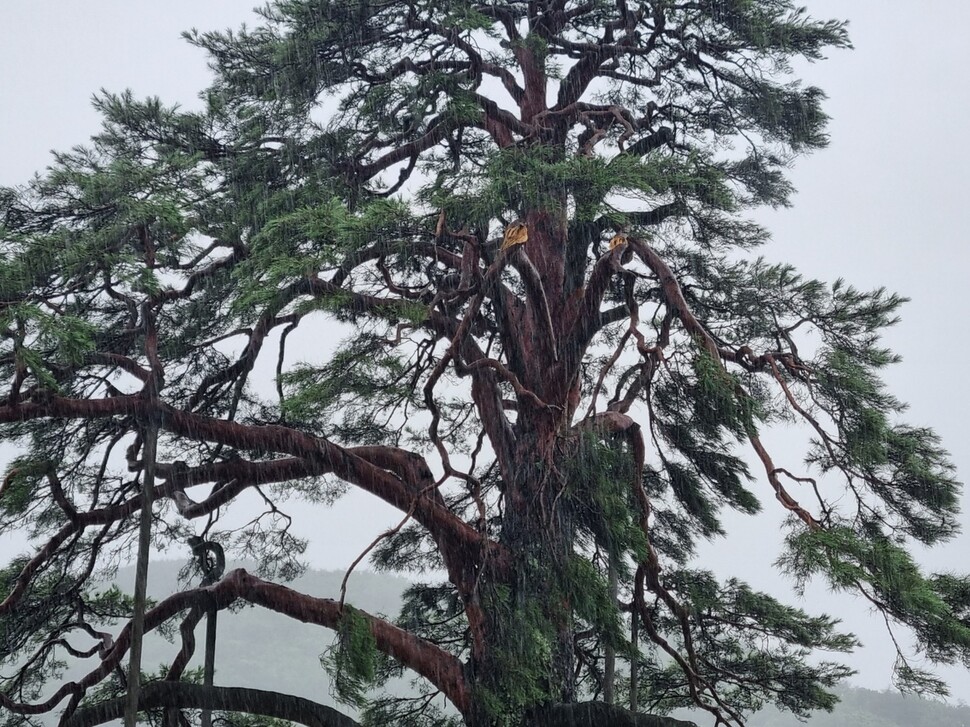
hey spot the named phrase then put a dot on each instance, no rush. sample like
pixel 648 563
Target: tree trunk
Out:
pixel 158 695
pixel 209 668
pixel 529 624
pixel 597 714
pixel 634 666
pixel 141 574
pixel 609 653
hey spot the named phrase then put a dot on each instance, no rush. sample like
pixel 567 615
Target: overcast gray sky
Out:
pixel 884 205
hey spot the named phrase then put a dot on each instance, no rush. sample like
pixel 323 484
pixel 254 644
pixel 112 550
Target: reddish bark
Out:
pixel 324 456
pixel 437 666
pixel 431 662
pixel 182 695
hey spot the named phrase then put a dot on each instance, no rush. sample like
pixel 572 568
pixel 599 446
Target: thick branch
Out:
pixel 441 522
pixel 180 695
pixel 598 714
pixel 430 138
pixel 437 666
pixel 657 215
pixel 581 74
pixel 444 525
pixel 675 296
pixel 647 144
pixel 536 294
pixel 587 316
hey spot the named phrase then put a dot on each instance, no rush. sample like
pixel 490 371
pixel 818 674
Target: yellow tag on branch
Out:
pixel 515 234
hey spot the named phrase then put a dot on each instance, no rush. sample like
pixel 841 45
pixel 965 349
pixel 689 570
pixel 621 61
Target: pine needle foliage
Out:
pixel 490 263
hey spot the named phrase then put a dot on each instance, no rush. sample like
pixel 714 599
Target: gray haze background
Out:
pixel 884 205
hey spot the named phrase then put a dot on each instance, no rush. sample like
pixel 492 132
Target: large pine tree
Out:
pixel 527 220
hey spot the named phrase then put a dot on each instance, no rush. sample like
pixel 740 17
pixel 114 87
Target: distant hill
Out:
pixel 261 648
pixel 868 708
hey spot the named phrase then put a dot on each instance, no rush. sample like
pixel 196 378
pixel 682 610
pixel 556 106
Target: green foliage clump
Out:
pixel 344 395
pixel 352 660
pixel 864 559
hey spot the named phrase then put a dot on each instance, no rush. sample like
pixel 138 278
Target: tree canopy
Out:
pixel 527 221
